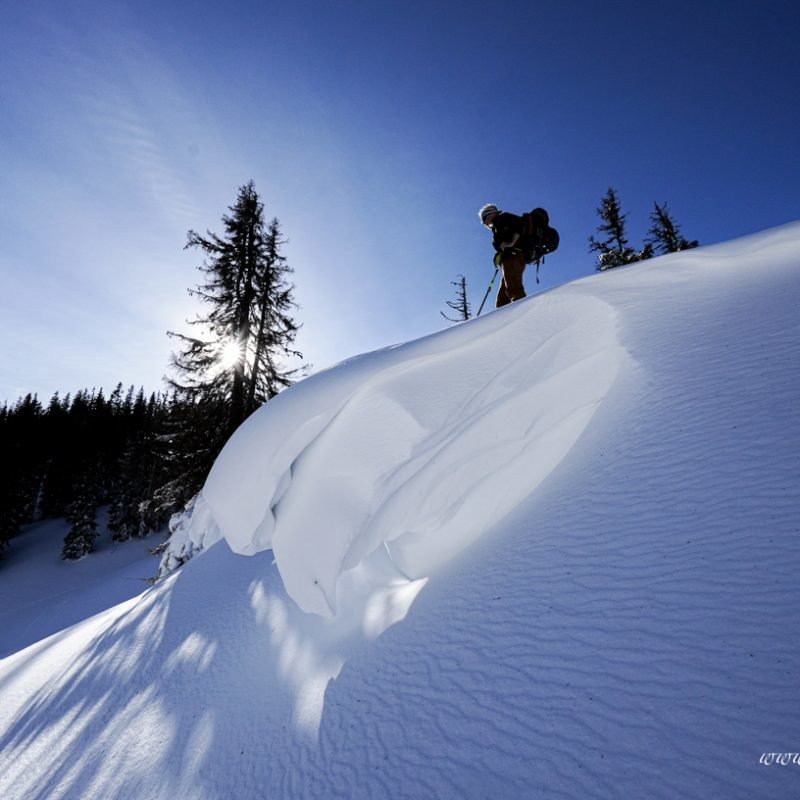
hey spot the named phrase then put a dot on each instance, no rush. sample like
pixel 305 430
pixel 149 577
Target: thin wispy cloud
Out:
pixel 129 116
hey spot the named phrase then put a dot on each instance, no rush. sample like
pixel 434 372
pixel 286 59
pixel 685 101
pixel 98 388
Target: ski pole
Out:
pixel 491 283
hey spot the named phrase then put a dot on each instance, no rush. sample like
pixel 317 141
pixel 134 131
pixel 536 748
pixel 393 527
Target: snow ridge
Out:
pixel 370 454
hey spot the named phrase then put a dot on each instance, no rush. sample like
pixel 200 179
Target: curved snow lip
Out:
pixel 421 448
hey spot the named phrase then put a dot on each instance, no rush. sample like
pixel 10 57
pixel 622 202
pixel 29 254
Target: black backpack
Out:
pixel 542 238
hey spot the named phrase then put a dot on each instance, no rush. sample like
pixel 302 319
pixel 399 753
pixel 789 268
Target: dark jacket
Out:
pixel 505 225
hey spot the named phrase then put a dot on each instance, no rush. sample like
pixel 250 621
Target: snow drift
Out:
pixel 421 448
pixel 620 627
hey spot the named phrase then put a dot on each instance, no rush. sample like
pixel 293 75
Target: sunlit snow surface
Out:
pixel 553 553
pixel 421 448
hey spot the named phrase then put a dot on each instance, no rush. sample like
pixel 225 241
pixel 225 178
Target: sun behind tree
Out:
pixel 240 359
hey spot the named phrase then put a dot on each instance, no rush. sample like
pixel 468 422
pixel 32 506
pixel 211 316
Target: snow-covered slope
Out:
pixel 553 553
pixel 40 594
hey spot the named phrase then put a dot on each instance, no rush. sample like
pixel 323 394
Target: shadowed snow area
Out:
pixel 553 553
pixel 422 447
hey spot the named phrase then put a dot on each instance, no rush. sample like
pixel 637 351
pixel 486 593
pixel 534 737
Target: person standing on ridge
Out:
pixel 518 241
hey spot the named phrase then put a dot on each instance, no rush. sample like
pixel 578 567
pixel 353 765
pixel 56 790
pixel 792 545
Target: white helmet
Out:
pixel 486 211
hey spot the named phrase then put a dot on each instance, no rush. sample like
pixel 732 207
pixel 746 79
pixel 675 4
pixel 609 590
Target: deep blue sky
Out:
pixel 374 131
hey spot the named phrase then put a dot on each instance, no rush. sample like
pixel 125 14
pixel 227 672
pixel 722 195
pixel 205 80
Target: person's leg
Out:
pixel 502 295
pixel 513 264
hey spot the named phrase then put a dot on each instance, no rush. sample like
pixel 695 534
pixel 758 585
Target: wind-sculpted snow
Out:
pixel 420 448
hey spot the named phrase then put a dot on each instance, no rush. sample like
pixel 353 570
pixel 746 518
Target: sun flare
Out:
pixel 231 354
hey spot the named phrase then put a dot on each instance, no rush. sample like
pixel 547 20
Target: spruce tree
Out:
pixel 124 517
pixel 238 358
pixel 275 331
pixel 613 249
pixel 82 513
pixel 72 439
pixel 141 468
pixel 460 305
pixel 664 234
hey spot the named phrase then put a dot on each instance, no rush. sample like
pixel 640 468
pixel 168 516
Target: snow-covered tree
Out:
pixel 664 235
pixel 613 249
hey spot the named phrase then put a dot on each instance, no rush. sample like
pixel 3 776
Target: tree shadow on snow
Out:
pixel 216 666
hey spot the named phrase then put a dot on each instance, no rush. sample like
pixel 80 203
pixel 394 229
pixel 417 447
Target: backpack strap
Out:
pixel 528 216
pixel 539 260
